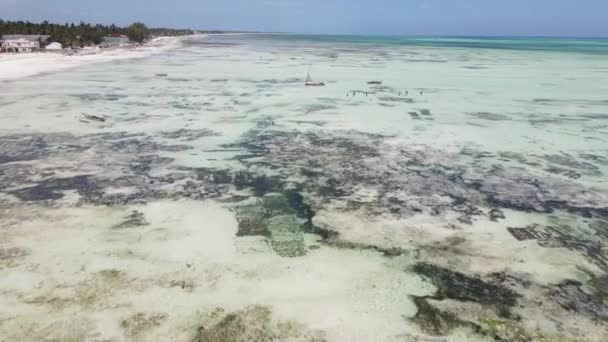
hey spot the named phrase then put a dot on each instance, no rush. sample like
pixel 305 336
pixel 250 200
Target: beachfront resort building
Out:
pixel 22 42
pixel 115 39
pixel 54 46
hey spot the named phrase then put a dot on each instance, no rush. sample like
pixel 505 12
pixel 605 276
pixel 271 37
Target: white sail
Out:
pixel 310 82
pixel 308 79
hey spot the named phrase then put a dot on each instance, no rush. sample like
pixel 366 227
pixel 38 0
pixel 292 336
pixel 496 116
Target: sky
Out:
pixel 580 18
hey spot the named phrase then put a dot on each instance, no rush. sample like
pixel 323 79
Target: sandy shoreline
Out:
pixel 15 66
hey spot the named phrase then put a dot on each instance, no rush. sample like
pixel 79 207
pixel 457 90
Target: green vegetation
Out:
pixel 85 34
pixel 137 32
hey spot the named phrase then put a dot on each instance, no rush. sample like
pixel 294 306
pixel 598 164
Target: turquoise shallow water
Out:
pixel 580 45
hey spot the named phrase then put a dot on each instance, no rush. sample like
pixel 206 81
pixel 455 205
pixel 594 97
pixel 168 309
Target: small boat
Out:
pixel 310 83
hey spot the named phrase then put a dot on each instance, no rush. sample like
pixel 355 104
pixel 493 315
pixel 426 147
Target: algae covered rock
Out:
pixel 254 323
pixel 274 216
pixel 434 321
pixel 140 322
pixel 134 219
pixel 571 295
pixel 456 285
pixel 287 237
pixel 277 204
pixel 252 220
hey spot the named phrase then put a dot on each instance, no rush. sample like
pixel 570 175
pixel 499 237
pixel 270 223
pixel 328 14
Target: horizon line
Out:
pixel 326 33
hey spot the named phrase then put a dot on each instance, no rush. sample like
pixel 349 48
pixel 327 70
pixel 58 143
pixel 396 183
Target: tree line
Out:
pixel 85 34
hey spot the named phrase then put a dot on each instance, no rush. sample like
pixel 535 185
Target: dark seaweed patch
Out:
pixel 189 134
pixel 518 157
pixel 496 214
pixel 437 322
pixel 568 160
pixel 597 116
pixel 563 236
pixel 492 292
pixel 456 285
pixel 51 189
pixel 396 99
pixel 570 102
pixel 536 195
pixel 570 295
pixel 490 116
pixel 284 81
pixel 421 114
pixel 337 163
pixel 142 322
pixel 594 158
pixel 10 257
pixel 475 67
pixel 317 108
pixel 99 97
pixel 387 252
pixel 311 122
pixel 137 156
pixel 599 286
pixel 252 324
pixel 21 148
pixel 261 184
pixel 134 219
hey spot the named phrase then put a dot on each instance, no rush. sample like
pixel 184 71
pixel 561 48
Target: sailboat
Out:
pixel 309 82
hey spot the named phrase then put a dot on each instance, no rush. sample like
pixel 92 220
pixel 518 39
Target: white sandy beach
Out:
pixel 19 65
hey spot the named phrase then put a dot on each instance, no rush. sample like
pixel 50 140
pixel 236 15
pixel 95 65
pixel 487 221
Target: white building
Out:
pixel 53 46
pixel 21 42
pixel 19 45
